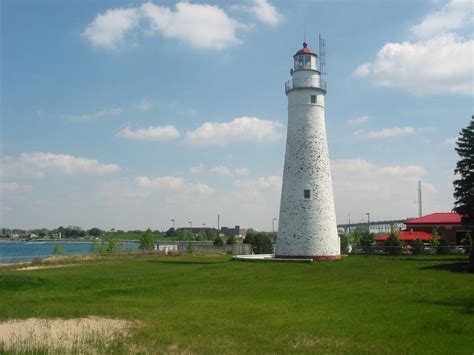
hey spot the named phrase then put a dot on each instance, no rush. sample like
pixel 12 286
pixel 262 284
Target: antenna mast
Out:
pixel 420 201
pixel 322 56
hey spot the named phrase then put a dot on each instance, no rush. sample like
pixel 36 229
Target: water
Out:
pixel 26 251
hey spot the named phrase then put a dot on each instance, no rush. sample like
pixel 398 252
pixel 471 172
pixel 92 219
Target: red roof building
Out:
pixel 447 224
pixel 407 236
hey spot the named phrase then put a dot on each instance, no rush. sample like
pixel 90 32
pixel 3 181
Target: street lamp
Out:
pixel 368 220
pixel 273 224
pixel 174 224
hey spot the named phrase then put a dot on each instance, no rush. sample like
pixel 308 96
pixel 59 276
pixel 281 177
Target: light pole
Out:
pixel 273 224
pixel 191 227
pixel 174 224
pixel 368 221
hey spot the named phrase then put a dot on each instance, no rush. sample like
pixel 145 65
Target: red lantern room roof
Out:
pixel 305 50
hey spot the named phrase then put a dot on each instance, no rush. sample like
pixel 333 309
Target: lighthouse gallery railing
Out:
pixel 317 83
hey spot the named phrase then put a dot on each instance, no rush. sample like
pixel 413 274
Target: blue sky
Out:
pixel 128 114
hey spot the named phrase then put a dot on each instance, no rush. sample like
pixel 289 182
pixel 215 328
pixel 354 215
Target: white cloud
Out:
pixel 172 183
pixel 440 65
pixel 450 141
pixel 14 187
pixel 197 169
pixel 109 30
pixel 385 132
pixel 362 70
pixel 221 170
pixel 238 130
pixel 439 62
pixel 387 192
pixel 455 15
pixel 144 105
pixel 152 133
pixel 264 182
pixel 263 10
pixel 200 25
pixel 358 121
pixel 242 172
pixel 96 115
pixel 40 164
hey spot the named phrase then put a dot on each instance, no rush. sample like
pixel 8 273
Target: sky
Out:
pixel 125 115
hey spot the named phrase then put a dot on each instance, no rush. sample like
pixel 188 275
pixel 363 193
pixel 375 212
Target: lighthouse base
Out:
pixel 312 257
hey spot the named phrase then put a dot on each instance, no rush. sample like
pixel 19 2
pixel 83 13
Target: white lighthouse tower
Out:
pixel 307 223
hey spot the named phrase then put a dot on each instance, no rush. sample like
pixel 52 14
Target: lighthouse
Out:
pixel 307 223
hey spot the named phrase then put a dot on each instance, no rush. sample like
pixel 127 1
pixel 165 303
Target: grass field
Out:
pixel 199 304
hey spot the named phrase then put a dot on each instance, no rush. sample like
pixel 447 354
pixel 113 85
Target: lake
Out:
pixel 26 251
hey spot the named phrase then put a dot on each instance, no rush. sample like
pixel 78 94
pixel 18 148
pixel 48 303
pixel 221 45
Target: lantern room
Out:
pixel 305 58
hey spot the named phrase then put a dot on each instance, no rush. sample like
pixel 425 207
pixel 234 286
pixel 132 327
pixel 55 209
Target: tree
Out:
pixel 417 247
pixel 218 240
pixel 211 234
pixel 231 240
pixel 464 185
pixel 171 232
pixel 202 236
pixel 344 240
pixel 466 242
pixel 367 242
pixel 393 245
pixel 184 234
pixel 95 232
pixel 147 241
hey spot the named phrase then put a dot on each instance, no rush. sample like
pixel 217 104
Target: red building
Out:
pixel 407 236
pixel 447 224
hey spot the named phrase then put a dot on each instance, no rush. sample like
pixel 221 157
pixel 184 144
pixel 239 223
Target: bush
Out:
pixel 146 241
pixel 466 242
pixel 393 245
pixel 218 240
pixel 58 249
pixel 367 242
pixel 231 240
pixel 344 240
pixel 417 247
pixel 439 242
pixel 190 246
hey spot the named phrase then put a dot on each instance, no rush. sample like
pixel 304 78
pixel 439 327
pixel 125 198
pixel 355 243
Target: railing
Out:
pixel 316 83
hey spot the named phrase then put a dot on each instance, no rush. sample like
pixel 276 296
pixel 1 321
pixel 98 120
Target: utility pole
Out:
pixel 368 221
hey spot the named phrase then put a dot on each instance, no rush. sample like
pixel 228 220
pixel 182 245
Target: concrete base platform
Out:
pixel 269 257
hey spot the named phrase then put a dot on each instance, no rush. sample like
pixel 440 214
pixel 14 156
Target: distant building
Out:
pixel 236 231
pixel 447 224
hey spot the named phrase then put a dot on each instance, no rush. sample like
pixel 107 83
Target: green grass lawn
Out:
pixel 199 304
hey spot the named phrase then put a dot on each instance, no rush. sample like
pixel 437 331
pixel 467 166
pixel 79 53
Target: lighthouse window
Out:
pixel 313 99
pixel 307 194
pixel 307 61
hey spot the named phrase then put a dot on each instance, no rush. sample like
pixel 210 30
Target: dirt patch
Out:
pixel 40 267
pixel 81 335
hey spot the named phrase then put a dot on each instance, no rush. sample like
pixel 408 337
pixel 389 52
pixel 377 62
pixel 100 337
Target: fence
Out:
pixel 408 250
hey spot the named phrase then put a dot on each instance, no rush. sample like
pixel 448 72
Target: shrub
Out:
pixel 58 249
pixel 367 242
pixel 417 247
pixel 231 240
pixel 218 240
pixel 344 240
pixel 393 245
pixel 146 241
pixel 190 246
pixel 466 242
